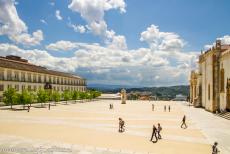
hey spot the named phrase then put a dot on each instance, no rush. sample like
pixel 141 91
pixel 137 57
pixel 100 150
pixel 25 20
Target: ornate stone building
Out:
pixel 18 73
pixel 210 85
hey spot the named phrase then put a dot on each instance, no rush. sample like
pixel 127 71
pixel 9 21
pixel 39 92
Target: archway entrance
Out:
pixel 228 95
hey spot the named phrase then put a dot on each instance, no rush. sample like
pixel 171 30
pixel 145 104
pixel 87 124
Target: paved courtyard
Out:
pixel 91 128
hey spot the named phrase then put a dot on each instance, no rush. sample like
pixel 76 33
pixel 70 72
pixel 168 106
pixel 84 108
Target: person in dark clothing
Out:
pixel 169 108
pixel 152 107
pixel 49 106
pixel 215 149
pixel 184 123
pixel 165 108
pixel 121 125
pixel 154 134
pixel 28 108
pixel 159 129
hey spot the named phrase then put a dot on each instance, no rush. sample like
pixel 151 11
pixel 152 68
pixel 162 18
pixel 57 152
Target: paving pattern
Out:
pixel 43 130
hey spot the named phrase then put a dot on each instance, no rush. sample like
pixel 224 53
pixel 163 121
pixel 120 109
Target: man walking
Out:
pixel 215 149
pixel 165 108
pixel 169 108
pixel 154 134
pixel 49 106
pixel 152 107
pixel 159 129
pixel 184 123
pixel 28 108
pixel 121 125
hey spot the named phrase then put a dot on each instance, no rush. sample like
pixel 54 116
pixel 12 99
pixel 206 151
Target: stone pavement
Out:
pixel 93 128
pixel 213 127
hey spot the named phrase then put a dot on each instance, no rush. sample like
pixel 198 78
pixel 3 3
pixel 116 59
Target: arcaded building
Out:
pixel 210 85
pixel 18 73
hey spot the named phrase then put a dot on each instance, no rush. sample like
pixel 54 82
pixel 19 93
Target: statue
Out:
pixel 123 96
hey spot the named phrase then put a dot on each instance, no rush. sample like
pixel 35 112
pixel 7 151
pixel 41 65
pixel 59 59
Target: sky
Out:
pixel 114 42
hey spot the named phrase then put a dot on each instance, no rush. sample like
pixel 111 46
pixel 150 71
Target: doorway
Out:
pixel 228 95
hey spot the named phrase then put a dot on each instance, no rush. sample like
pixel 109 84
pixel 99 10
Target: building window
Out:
pixel 1 74
pixel 17 87
pixel 39 78
pixel 9 86
pixel 35 88
pixel 45 78
pixel 29 77
pixel 23 77
pixel 16 76
pixel 57 80
pixel 49 79
pixel 9 75
pixel 23 87
pixel 34 78
pixel 209 92
pixel 222 80
pixel 1 87
pixel 29 88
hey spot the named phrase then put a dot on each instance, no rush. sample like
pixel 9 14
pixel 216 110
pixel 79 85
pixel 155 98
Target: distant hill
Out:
pixel 169 92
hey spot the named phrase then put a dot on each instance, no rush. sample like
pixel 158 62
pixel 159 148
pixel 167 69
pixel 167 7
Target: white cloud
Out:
pixel 27 39
pixel 166 41
pixel 93 12
pixel 58 15
pixel 43 21
pixel 61 46
pixel 78 28
pixel 12 26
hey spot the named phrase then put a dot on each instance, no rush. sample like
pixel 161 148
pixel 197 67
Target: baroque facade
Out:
pixel 18 73
pixel 210 84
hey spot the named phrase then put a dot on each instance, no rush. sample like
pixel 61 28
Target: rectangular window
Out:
pixel 209 93
pixel 57 80
pixel 16 76
pixel 1 87
pixel 23 77
pixel 45 79
pixel 9 75
pixel 23 87
pixel 34 78
pixel 1 74
pixel 39 78
pixel 29 88
pixel 35 88
pixel 17 87
pixel 49 79
pixel 29 77
pixel 222 80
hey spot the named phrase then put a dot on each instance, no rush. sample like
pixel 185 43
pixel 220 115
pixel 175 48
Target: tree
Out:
pixel 56 96
pixel 75 95
pixel 66 95
pixel 42 96
pixel 9 97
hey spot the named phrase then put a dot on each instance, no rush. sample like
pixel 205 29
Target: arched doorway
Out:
pixel 228 95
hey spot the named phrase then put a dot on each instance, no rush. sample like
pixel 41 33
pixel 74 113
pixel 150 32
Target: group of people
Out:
pixel 156 133
pixel 169 108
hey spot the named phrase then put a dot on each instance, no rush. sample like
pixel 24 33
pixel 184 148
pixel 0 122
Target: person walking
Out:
pixel 215 149
pixel 154 134
pixel 184 123
pixel 165 108
pixel 169 108
pixel 28 108
pixel 121 125
pixel 49 106
pixel 152 107
pixel 159 129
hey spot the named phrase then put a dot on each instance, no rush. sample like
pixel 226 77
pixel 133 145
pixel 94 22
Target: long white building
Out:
pixel 18 73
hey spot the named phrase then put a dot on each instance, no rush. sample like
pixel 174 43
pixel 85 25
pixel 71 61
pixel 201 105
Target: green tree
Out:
pixel 75 95
pixel 42 96
pixel 82 95
pixel 56 96
pixel 9 97
pixel 66 95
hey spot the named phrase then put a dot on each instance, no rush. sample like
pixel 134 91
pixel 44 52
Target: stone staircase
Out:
pixel 225 115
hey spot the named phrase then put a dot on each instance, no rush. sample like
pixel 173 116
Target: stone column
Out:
pixel 123 96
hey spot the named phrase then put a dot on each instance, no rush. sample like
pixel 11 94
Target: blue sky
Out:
pixel 145 34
